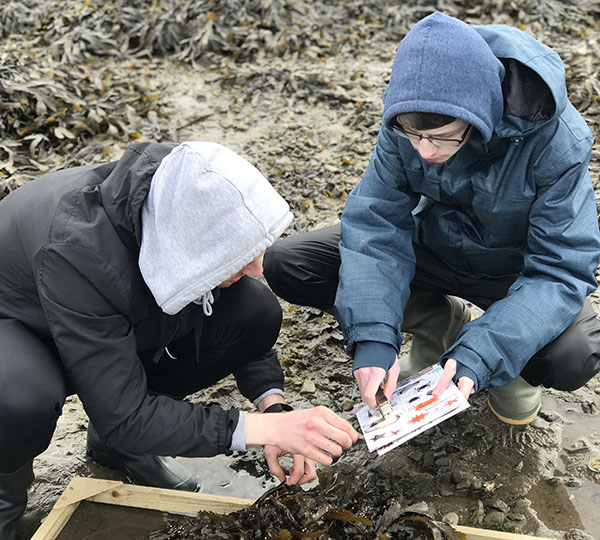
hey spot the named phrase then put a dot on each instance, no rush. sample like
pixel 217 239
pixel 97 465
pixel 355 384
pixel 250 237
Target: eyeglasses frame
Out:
pixel 415 137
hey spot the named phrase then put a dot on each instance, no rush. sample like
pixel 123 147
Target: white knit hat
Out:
pixel 208 214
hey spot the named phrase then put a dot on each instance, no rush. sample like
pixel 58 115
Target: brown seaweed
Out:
pixel 341 507
pixel 76 76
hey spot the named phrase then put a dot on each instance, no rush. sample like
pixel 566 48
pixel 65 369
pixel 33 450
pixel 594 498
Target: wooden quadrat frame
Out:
pixel 175 502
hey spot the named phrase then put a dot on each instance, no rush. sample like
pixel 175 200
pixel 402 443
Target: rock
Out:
pixel 498 504
pixel 308 387
pixel 576 534
pixel 494 517
pixel 554 480
pixel 451 518
pixel 551 416
pixel 476 483
pixel 443 462
pixel 446 491
pixel 419 507
pixel 478 514
pixel 457 477
pixel 573 482
pixel 347 404
pixel 579 446
pixel 517 517
pixel 416 455
pixel 428 461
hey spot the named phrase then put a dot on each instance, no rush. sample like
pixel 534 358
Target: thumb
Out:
pixel 392 379
pixel 447 375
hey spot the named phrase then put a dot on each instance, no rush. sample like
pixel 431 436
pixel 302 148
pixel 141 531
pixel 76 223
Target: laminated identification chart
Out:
pixel 411 410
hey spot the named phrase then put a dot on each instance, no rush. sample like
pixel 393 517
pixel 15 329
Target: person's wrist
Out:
pixel 278 407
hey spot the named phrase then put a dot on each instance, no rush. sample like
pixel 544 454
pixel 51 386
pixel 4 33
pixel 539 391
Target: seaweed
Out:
pixel 341 507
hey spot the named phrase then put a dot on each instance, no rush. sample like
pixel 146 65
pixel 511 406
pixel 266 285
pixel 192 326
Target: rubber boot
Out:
pixel 434 321
pixel 143 469
pixel 13 499
pixel 518 403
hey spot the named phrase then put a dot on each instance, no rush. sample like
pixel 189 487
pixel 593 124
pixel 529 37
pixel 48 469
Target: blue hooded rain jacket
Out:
pixel 516 200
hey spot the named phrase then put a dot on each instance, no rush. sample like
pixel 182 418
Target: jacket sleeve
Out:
pixel 560 262
pixel 84 298
pixel 376 251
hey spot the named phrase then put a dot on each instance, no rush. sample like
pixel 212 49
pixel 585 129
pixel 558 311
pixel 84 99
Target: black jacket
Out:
pixel 70 243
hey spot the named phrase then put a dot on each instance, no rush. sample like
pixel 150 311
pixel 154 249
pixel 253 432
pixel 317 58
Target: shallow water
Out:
pixel 583 493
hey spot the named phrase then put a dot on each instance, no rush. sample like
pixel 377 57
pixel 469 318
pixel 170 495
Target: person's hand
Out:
pixel 304 470
pixel 317 434
pixel 369 380
pixel 465 384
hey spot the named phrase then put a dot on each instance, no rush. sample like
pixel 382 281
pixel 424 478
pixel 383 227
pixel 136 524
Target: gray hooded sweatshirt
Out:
pixel 107 272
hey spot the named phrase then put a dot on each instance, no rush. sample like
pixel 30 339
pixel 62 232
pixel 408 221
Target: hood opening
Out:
pixel 526 95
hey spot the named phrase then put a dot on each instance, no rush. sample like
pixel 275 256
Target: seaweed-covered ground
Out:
pixel 295 87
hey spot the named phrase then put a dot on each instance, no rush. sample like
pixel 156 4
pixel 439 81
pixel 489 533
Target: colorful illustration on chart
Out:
pixel 411 410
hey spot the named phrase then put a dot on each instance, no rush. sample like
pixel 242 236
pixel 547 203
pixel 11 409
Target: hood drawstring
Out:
pixel 207 300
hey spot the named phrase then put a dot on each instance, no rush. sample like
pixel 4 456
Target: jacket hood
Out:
pixel 534 87
pixel 208 213
pixel 126 187
pixel 499 79
pixel 444 66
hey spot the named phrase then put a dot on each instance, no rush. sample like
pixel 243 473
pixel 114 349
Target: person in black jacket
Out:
pixel 127 284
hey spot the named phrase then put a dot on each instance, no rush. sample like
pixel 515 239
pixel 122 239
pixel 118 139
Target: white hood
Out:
pixel 208 214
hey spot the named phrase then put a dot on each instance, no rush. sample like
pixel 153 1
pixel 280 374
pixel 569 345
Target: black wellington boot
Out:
pixel 13 499
pixel 142 469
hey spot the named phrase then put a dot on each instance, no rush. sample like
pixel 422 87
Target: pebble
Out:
pixel 419 507
pixel 416 455
pixel 573 482
pixel 446 490
pixel 576 534
pixel 494 517
pixel 498 504
pixel 443 462
pixel 451 518
pixel 551 416
pixel 579 446
pixel 308 387
pixel 456 477
pixel 478 514
pixel 347 404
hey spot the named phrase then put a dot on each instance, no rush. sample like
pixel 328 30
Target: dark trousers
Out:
pixel 33 386
pixel 303 270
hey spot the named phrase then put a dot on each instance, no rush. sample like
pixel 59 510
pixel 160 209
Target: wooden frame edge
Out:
pixel 188 503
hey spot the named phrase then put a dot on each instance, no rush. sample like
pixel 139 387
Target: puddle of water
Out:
pixel 218 478
pixel 586 499
pixel 577 425
pixel 554 506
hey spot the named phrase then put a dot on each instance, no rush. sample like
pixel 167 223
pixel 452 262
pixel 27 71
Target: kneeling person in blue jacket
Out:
pixel 478 188
pixel 128 284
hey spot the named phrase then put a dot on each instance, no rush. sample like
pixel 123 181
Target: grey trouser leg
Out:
pixel 434 321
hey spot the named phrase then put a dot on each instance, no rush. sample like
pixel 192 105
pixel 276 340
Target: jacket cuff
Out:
pixel 464 371
pixel 238 440
pixel 374 354
pixel 468 364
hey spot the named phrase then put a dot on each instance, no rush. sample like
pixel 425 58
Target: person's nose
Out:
pixel 426 149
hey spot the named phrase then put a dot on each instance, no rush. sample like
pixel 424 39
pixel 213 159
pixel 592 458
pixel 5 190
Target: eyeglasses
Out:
pixel 436 141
